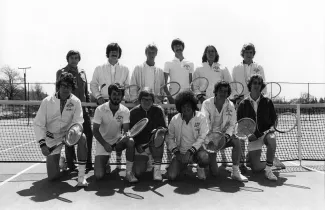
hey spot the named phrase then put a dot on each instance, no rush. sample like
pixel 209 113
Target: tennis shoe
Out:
pixel 150 165
pixel 278 164
pixel 82 182
pixel 130 177
pixel 201 173
pixel 236 175
pixel 157 174
pixel 270 175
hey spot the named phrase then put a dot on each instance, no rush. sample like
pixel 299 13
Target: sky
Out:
pixel 288 35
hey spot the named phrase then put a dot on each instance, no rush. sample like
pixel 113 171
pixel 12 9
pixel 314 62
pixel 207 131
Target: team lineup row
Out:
pixel 186 135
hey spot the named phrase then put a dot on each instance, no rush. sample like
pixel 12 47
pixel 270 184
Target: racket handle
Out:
pixel 54 147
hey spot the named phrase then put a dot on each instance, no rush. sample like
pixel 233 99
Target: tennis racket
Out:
pixel 158 138
pixel 71 138
pixel 284 123
pixel 168 91
pixel 274 89
pixel 132 93
pixel 237 88
pixel 199 86
pixel 244 127
pixel 135 130
pixel 217 141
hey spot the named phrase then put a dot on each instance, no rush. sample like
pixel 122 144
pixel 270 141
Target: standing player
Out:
pixel 221 116
pixel 179 69
pixel 54 117
pixel 211 69
pixel 147 74
pixel 156 117
pixel 110 119
pixel 186 133
pixel 81 91
pixel 109 73
pixel 261 110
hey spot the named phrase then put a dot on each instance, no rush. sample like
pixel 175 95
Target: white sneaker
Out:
pixel 157 174
pixel 270 175
pixel 278 164
pixel 201 173
pixel 82 182
pixel 130 177
pixel 236 175
pixel 149 165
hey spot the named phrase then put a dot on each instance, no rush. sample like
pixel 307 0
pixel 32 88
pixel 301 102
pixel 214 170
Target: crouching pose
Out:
pixel 109 119
pixel 186 133
pixel 145 152
pixel 54 117
pixel 221 116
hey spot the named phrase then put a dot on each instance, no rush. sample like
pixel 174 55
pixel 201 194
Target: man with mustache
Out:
pixel 179 69
pixel 81 91
pixel 148 74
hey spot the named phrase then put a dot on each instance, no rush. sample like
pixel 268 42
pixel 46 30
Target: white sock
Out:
pixel 129 166
pixel 268 168
pixel 81 169
pixel 235 167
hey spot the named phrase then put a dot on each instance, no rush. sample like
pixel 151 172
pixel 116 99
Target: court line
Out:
pixel 19 173
pixel 315 170
pixel 5 150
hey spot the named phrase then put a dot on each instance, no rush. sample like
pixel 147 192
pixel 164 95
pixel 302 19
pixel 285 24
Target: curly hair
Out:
pixel 68 78
pixel 146 91
pixel 185 97
pixel 73 52
pixel 248 46
pixel 220 84
pixel 117 87
pixel 205 58
pixel 177 42
pixel 113 47
pixel 254 77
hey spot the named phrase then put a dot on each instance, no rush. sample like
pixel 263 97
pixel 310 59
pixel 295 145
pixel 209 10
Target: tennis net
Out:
pixel 305 142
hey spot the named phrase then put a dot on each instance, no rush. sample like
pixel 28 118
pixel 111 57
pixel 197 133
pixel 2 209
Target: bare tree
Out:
pixel 37 92
pixel 10 84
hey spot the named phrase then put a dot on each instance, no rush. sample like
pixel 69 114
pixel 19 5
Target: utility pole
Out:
pixel 24 69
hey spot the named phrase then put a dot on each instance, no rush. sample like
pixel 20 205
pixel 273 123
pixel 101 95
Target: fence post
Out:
pixel 299 134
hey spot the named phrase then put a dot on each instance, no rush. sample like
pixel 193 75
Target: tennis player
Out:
pixel 155 114
pixel 221 116
pixel 261 110
pixel 54 117
pixel 110 120
pixel 73 58
pixel 211 69
pixel 179 69
pixel 148 74
pixel 186 133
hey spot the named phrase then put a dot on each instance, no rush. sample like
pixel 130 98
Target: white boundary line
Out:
pixel 315 170
pixel 1 151
pixel 18 174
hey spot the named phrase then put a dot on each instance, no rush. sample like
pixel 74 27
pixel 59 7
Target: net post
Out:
pixel 299 134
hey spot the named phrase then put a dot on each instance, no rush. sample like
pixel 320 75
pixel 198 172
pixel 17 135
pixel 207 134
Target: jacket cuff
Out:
pixel 192 150
pixel 41 143
pixel 175 150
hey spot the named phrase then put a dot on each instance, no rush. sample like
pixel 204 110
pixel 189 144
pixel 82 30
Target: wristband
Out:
pixel 227 137
pixel 41 143
pixel 192 150
pixel 175 150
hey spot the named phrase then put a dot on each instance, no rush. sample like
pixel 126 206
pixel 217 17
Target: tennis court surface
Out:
pixel 23 183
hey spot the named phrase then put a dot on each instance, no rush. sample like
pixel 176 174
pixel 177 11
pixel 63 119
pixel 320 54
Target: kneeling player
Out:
pixel 54 117
pixel 156 123
pixel 109 119
pixel 186 133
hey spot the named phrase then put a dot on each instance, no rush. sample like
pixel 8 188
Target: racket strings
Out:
pixel 285 122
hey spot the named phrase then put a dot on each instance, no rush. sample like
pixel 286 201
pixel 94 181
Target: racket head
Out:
pixel 237 89
pixel 169 89
pixel 73 134
pixel 159 137
pixel 273 89
pixel 245 127
pixel 286 122
pixel 199 85
pixel 217 141
pixel 138 127
pixel 132 93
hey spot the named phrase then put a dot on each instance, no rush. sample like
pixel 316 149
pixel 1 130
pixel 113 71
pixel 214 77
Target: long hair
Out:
pixel 113 47
pixel 68 78
pixel 255 77
pixel 185 97
pixel 204 56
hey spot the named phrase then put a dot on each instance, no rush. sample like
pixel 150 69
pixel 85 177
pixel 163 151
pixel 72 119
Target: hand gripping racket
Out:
pixel 168 91
pixel 135 130
pixel 132 93
pixel 199 86
pixel 71 138
pixel 157 137
pixel 217 141
pixel 244 127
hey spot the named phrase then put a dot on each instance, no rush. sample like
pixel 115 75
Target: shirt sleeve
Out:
pixel 78 114
pixel 205 111
pixel 232 121
pixel 127 78
pixel 40 121
pixel 171 137
pixel 161 119
pixel 94 84
pixel 126 117
pixel 97 116
pixel 134 80
pixel 226 75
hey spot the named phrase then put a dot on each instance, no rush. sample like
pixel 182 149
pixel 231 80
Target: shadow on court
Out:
pixel 45 190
